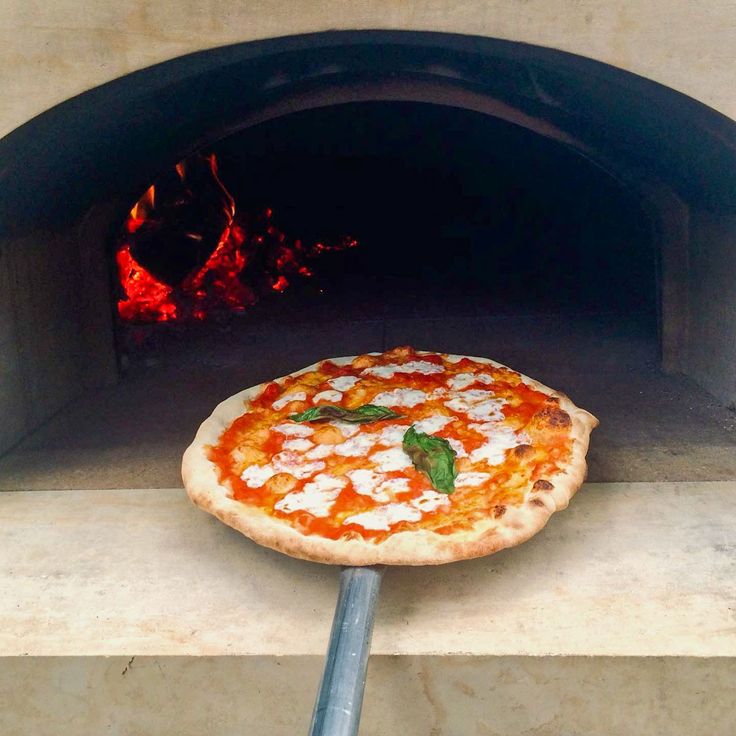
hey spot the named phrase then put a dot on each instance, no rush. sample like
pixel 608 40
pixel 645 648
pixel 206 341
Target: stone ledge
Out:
pixel 416 696
pixel 629 570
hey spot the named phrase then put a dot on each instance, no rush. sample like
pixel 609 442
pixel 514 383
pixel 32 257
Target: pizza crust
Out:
pixel 422 547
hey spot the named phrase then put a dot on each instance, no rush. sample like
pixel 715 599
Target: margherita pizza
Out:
pixel 402 458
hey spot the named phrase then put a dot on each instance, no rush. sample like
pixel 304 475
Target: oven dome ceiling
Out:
pixel 111 141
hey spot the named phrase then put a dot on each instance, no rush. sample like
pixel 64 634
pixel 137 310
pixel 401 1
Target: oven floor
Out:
pixel 653 427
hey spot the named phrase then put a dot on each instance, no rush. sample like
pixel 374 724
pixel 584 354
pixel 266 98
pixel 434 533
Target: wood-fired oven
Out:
pixel 230 215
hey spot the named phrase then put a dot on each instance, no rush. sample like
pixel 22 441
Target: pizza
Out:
pixel 401 458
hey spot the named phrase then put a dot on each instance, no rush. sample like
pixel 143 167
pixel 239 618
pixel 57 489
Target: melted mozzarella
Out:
pixel 367 483
pixel 413 366
pixel 294 430
pixel 316 498
pixel 458 446
pixel 487 410
pixel 347 429
pixel 281 402
pixel 299 443
pixel 392 435
pixel 499 441
pixel 298 465
pixel 393 459
pixel 474 395
pixel 471 479
pixel 356 446
pixel 343 383
pixel 256 475
pixel 463 380
pixel 433 424
pixel 400 397
pixel 394 485
pixel 490 429
pixel 320 451
pixel 482 406
pixel 430 501
pixel 382 517
pixel 376 485
pixel 331 397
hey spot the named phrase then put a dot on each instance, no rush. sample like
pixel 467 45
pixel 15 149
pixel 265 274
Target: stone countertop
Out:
pixel 630 569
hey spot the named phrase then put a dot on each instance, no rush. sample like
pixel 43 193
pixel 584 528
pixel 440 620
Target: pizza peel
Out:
pixel 340 694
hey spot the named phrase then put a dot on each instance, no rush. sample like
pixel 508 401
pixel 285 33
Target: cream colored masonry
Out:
pixel 51 51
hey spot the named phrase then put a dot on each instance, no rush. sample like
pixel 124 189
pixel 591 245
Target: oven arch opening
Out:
pixel 105 147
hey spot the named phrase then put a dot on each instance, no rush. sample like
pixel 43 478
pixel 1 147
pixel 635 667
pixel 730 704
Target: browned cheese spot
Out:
pixel 400 352
pixel 499 511
pixel 522 451
pixel 553 417
pixel 542 485
pixel 363 361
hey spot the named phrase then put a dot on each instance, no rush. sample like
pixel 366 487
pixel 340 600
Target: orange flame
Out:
pixel 224 282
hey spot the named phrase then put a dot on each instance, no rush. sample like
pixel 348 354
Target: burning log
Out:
pixel 186 253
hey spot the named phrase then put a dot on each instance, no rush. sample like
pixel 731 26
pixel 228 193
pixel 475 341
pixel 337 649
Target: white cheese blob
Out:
pixel 316 498
pixel 394 485
pixel 471 479
pixel 489 429
pixel 256 475
pixel 487 410
pixel 458 446
pixel 281 402
pixel 356 446
pixel 433 424
pixel 320 451
pixel 473 395
pixel 343 383
pixel 430 501
pixel 367 482
pixel 499 441
pixel 298 465
pixel 400 397
pixel 329 397
pixel 393 459
pixel 347 429
pixel 463 380
pixel 300 444
pixel 482 406
pixel 376 485
pixel 413 366
pixel 294 430
pixel 392 435
pixel 381 518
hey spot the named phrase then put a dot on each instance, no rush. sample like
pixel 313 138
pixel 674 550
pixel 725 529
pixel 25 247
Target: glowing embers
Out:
pixel 187 254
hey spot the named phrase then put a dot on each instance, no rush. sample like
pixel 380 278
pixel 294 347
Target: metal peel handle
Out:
pixel 340 696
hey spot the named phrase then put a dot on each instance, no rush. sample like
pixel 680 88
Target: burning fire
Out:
pixel 187 254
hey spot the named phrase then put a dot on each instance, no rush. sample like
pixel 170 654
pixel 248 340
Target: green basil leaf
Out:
pixel 362 415
pixel 433 456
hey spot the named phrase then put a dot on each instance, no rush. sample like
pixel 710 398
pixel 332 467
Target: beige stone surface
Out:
pixel 630 569
pixel 435 696
pixel 52 51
